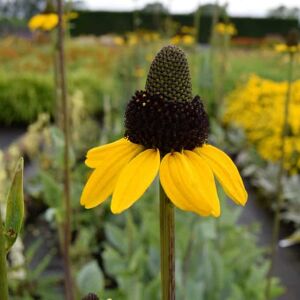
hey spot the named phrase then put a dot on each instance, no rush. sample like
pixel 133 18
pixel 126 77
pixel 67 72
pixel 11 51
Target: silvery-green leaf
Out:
pixel 90 278
pixel 15 206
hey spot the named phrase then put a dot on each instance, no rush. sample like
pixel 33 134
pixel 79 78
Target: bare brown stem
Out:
pixel 65 113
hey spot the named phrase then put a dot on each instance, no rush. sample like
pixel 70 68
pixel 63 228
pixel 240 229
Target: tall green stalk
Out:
pixel 3 269
pixel 212 58
pixel 67 182
pixel 279 186
pixel 223 60
pixel 167 247
pixel 197 17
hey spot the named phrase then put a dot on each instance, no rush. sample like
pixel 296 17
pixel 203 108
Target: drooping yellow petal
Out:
pixel 188 182
pixel 135 178
pixel 103 180
pixel 226 172
pixel 97 155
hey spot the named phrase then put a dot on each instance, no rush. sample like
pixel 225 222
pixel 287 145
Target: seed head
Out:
pixel 292 38
pixel 169 75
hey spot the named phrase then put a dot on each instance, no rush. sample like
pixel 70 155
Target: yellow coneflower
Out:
pixel 291 44
pixel 188 39
pixel 225 28
pixel 166 132
pixel 119 41
pixel 175 40
pixel 284 48
pixel 46 22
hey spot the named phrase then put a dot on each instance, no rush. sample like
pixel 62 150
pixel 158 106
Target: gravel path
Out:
pixel 287 264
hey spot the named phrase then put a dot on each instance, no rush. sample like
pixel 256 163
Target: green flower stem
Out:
pixel 3 270
pixel 279 186
pixel 67 182
pixel 223 60
pixel 197 18
pixel 167 247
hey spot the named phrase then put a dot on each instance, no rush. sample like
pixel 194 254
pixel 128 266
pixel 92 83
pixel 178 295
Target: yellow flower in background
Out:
pixel 48 21
pixel 183 40
pixel 166 133
pixel 258 107
pixel 119 41
pixel 139 72
pixel 44 22
pixel 36 22
pixel 132 39
pixel 225 29
pixel 188 39
pixel 291 44
pixel 175 40
pixel 284 48
pixel 71 15
pixel 149 57
pixel 187 30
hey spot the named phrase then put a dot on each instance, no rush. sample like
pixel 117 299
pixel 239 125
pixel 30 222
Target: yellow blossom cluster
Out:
pixel 45 22
pixel 185 39
pixel 225 29
pixel 141 36
pixel 258 107
pixel 284 48
pixel 48 21
pixel 185 36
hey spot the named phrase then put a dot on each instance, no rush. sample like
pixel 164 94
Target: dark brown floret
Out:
pixel 155 121
pixel 91 296
pixel 292 38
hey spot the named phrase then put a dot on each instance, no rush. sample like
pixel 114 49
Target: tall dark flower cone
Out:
pixel 293 37
pixel 91 296
pixel 169 75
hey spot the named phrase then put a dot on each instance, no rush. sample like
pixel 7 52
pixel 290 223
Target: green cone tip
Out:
pixel 169 75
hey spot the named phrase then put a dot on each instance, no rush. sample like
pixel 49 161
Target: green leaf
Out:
pixel 15 206
pixel 90 279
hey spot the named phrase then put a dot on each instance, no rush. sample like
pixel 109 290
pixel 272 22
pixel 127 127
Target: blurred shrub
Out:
pixel 24 96
pixel 258 107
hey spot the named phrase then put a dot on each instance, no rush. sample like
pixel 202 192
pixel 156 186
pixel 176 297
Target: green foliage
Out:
pixel 90 278
pixel 14 207
pixel 215 258
pixel 36 283
pixel 24 96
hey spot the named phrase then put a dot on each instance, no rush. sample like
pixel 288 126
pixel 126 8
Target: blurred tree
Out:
pixel 155 8
pixel 284 12
pixel 210 9
pixel 24 9
pixel 20 8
